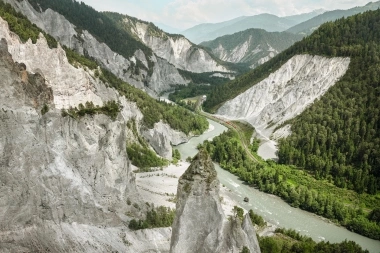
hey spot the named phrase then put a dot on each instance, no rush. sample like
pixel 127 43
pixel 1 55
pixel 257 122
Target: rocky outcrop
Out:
pixel 163 75
pixel 176 49
pixel 200 224
pixel 161 137
pixel 64 183
pixel 285 93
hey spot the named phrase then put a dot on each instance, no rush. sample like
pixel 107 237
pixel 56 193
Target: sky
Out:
pixel 183 14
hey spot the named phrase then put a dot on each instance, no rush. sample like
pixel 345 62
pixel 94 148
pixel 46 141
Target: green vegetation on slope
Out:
pixel 110 108
pixel 144 158
pixel 140 154
pixel 289 241
pixel 154 111
pixel 338 137
pixel 156 217
pixel 297 187
pixel 20 25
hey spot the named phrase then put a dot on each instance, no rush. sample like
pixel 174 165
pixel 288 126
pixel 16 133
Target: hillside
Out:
pixel 176 49
pixel 252 46
pixel 268 22
pixel 307 27
pixel 119 50
pixel 337 137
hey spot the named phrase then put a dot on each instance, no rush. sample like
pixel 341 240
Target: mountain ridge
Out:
pixel 307 27
pixel 268 22
pixel 252 46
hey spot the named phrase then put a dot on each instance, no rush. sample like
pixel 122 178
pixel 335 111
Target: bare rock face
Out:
pixel 285 93
pixel 161 137
pixel 163 76
pixel 177 50
pixel 64 183
pixel 200 224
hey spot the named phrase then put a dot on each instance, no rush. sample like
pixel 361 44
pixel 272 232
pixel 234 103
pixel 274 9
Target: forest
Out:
pixel 297 187
pixel 290 241
pixel 337 138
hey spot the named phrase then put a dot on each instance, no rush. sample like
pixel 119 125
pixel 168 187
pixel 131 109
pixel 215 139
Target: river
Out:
pixel 272 208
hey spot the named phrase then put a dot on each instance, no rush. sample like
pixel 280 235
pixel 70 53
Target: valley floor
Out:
pixel 160 187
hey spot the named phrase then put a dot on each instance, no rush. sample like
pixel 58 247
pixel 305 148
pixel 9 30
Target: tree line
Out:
pixel 296 187
pixel 337 138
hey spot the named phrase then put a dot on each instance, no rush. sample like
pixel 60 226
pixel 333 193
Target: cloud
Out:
pixel 184 14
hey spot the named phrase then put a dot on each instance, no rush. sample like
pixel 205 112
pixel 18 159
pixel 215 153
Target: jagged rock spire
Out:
pixel 200 224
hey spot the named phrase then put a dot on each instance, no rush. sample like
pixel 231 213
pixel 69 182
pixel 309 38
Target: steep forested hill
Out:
pixel 337 137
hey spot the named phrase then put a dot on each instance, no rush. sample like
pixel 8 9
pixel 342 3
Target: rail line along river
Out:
pixel 272 208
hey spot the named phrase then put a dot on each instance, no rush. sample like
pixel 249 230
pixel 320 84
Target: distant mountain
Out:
pixel 299 18
pixel 253 46
pixel 268 22
pixel 307 27
pixel 174 48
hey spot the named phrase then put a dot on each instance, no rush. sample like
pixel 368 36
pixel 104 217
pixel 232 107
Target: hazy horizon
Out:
pixel 184 14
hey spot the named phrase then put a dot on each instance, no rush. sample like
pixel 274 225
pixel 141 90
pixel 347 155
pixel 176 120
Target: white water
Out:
pixel 272 208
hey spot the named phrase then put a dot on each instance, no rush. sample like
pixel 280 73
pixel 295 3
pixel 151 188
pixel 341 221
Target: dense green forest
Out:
pixel 356 212
pixel 338 137
pixel 290 241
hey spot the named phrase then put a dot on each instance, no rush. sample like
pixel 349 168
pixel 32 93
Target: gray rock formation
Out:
pixel 164 74
pixel 285 93
pixel 176 49
pixel 63 182
pixel 161 137
pixel 200 224
pixel 252 47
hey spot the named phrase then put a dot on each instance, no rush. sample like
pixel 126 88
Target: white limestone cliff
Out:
pixel 286 92
pixel 177 50
pixel 161 137
pixel 164 74
pixel 243 53
pixel 64 183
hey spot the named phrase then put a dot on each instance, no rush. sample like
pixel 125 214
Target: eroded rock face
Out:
pixel 178 50
pixel 64 183
pixel 200 224
pixel 285 93
pixel 164 74
pixel 161 137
